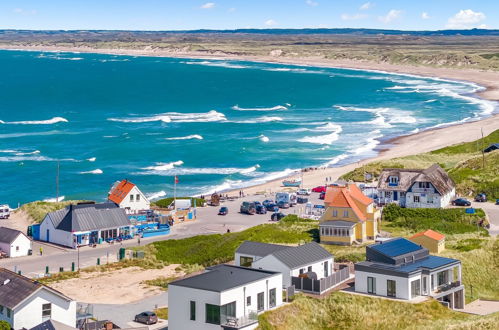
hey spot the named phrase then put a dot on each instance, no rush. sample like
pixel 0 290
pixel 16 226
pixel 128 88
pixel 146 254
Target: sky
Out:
pixel 233 14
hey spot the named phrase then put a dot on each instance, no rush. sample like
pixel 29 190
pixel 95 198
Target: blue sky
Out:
pixel 231 14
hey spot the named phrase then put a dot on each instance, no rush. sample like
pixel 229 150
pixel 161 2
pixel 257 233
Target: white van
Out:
pixel 4 211
pixel 286 197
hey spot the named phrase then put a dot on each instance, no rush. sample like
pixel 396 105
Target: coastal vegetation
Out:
pixel 472 171
pixel 38 210
pixel 166 202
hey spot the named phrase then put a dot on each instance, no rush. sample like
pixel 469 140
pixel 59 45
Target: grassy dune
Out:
pixel 38 210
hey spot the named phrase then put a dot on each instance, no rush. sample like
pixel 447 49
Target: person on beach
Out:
pixel 41 251
pixel 138 240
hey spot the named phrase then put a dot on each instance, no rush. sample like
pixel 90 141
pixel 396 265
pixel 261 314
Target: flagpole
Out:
pixel 175 193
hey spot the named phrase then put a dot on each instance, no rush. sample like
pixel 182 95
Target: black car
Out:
pixel 283 205
pixel 267 202
pixel 277 216
pixel 481 198
pixel 224 210
pixel 146 318
pixel 461 202
pixel 260 209
pixel 272 207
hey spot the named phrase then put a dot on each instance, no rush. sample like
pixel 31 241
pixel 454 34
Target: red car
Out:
pixel 319 189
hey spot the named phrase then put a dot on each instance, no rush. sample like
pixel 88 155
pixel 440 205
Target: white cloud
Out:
pixel 311 3
pixel 348 17
pixel 425 15
pixel 270 22
pixel 366 6
pixel 231 10
pixel 22 11
pixel 465 19
pixel 390 16
pixel 208 5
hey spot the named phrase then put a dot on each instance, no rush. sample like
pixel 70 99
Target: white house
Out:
pixel 308 260
pixel 416 188
pixel 25 303
pixel 401 269
pixel 129 197
pixel 84 224
pixel 225 296
pixel 14 243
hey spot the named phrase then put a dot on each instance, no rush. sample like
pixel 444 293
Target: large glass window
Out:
pixel 212 314
pixel 193 310
pixel 272 298
pixel 227 311
pixel 246 261
pixel 371 285
pixel 442 278
pixel 391 288
pixel 261 299
pixel 415 288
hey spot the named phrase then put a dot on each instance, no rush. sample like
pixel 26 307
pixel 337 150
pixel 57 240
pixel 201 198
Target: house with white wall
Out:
pixel 224 296
pixel 307 260
pixel 85 224
pixel 401 269
pixel 129 197
pixel 416 188
pixel 25 303
pixel 14 243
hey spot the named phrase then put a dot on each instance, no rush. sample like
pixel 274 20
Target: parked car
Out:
pixel 322 195
pixel 272 207
pixel 303 192
pixel 146 318
pixel 481 198
pixel 224 210
pixel 4 211
pixel 248 208
pixel 319 189
pixel 260 209
pixel 277 216
pixel 461 202
pixel 283 205
pixel 267 202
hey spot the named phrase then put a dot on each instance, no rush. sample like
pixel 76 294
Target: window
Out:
pixel 248 301
pixel 388 194
pixel 227 311
pixel 1 310
pixel 335 213
pixel 393 181
pixel 424 185
pixel 17 248
pixel 137 198
pixel 245 261
pixel 391 288
pixel 442 278
pixel 302 270
pixel 371 285
pixel 415 288
pixel 193 310
pixel 9 313
pixel 272 297
pixel 345 213
pixel 309 269
pixel 131 198
pixel 429 199
pixel 46 311
pixel 416 199
pixel 212 314
pixel 261 300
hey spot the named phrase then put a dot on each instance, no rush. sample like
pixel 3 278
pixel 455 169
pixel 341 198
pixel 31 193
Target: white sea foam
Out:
pixel 156 195
pixel 164 166
pixel 92 159
pixel 53 200
pixel 275 108
pixel 330 127
pixel 27 153
pixel 430 101
pixel 369 145
pixel 264 119
pixel 210 116
pixel 9 151
pixel 171 169
pixel 337 159
pixel 37 122
pixel 188 137
pixel 217 63
pixel 26 158
pixel 263 138
pixel 249 169
pixel 162 118
pixel 327 139
pixel 451 123
pixel 96 171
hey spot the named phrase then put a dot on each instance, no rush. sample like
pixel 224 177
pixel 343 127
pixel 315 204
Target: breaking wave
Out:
pixel 327 139
pixel 164 166
pixel 156 195
pixel 97 171
pixel 188 137
pixel 277 107
pixel 37 122
pixel 210 116
pixel 92 159
pixel 264 119
pixel 263 138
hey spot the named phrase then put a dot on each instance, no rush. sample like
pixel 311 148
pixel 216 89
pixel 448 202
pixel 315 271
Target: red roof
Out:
pixel 431 234
pixel 120 191
pixel 345 197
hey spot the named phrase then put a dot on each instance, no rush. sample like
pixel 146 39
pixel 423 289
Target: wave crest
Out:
pixel 277 107
pixel 37 122
pixel 188 137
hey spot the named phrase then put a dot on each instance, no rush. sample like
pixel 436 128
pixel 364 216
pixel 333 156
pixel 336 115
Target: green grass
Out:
pixel 161 282
pixel 162 313
pixel 468 244
pixel 346 311
pixel 38 210
pixel 165 202
pixel 209 250
pixel 463 162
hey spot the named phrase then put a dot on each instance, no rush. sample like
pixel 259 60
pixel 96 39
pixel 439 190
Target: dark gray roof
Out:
pixel 87 217
pixel 8 235
pixel 52 325
pixel 492 147
pixel 224 277
pixel 302 255
pixel 259 249
pixel 338 223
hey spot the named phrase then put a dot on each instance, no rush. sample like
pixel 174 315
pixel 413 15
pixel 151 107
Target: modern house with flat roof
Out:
pixel 416 188
pixel 128 197
pixel 350 216
pixel 84 224
pixel 430 239
pixel 14 243
pixel 224 296
pixel 25 303
pixel 399 268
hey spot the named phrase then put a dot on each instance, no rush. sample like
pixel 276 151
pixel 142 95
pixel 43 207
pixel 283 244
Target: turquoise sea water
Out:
pixel 215 124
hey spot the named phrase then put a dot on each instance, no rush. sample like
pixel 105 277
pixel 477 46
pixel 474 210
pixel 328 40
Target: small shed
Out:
pixel 430 239
pixel 14 243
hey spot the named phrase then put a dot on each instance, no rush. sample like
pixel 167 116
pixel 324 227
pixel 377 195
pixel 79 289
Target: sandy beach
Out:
pixel 424 141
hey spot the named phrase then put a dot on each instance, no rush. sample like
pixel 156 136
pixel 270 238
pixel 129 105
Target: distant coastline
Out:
pixel 391 148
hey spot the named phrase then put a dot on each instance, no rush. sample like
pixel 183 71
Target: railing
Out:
pixel 447 286
pixel 322 285
pixel 84 311
pixel 239 322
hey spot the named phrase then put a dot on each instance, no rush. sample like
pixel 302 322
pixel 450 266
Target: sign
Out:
pixel 470 210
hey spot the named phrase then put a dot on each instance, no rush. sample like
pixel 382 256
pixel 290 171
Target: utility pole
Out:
pixel 57 183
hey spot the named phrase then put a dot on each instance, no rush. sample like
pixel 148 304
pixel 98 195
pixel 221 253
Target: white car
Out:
pixel 303 191
pixel 4 211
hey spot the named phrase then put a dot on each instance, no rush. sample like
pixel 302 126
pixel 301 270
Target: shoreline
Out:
pixel 400 146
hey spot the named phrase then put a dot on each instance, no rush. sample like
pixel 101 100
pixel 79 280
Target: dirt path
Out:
pixel 18 220
pixel 122 286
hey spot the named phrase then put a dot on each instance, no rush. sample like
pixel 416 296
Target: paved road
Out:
pixel 208 223
pixel 492 212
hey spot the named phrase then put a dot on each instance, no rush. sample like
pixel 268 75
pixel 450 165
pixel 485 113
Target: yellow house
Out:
pixel 432 240
pixel 350 216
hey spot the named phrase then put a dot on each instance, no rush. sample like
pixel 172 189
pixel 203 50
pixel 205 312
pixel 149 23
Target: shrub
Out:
pixel 4 325
pixel 468 244
pixel 165 202
pixel 162 313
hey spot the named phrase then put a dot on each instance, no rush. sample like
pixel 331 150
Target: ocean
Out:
pixel 215 124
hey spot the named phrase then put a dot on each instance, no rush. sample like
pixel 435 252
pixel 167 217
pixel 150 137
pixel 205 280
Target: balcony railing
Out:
pixel 240 322
pixel 447 287
pixel 423 190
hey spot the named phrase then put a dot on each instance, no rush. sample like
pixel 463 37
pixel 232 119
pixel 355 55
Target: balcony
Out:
pixel 239 322
pixel 447 288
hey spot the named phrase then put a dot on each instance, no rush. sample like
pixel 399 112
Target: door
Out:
pixel 326 269
pixel 391 288
pixel 371 285
pixel 48 235
pixel 395 195
pixel 260 301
